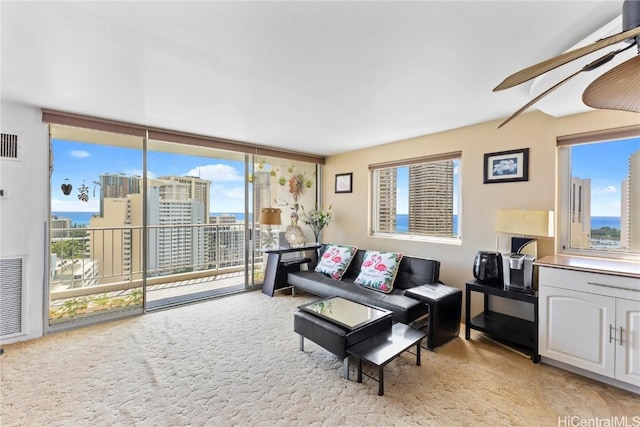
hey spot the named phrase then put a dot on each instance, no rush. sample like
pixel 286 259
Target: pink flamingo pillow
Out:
pixel 335 260
pixel 378 270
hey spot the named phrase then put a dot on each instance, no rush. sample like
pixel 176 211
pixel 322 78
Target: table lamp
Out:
pixel 526 223
pixel 269 217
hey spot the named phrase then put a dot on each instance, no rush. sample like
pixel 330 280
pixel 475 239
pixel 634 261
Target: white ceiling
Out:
pixel 321 77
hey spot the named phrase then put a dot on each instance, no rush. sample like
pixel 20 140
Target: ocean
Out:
pixel 81 219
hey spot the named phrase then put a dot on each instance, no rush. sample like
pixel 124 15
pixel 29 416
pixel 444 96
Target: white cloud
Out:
pixel 216 173
pixel 605 189
pixel 80 154
pixel 75 205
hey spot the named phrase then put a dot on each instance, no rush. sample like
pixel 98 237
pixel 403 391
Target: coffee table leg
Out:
pixel 301 343
pixel 418 353
pixel 381 382
pixel 345 368
pixel 359 370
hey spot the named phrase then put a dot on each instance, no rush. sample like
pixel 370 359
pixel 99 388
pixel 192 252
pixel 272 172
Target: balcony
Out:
pixel 101 269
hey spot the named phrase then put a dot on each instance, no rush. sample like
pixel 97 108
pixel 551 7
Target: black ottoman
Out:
pixel 333 337
pixel 445 309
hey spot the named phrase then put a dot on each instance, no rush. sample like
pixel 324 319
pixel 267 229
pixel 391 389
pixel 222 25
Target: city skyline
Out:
pixel 82 163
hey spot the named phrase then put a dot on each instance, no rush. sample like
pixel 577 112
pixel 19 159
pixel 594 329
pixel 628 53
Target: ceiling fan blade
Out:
pixel 539 97
pixel 617 89
pixel 548 65
pixel 590 66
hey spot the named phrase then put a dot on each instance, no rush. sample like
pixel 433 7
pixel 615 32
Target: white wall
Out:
pixel 480 202
pixel 24 210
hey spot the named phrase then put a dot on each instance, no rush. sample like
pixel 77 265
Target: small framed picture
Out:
pixel 506 166
pixel 343 182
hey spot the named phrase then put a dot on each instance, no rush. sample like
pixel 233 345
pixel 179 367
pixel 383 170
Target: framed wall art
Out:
pixel 506 166
pixel 344 182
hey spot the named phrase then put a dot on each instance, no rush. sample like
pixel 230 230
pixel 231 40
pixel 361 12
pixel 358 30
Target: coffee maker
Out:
pixel 518 272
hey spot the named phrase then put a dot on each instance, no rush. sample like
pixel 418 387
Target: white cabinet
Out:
pixel 628 348
pixel 591 321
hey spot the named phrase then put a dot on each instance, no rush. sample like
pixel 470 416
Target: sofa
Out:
pixel 411 272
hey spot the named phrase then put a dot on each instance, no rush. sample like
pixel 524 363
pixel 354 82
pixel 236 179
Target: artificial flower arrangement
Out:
pixel 317 219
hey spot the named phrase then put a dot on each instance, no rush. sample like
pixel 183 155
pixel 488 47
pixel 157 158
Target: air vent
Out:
pixel 11 297
pixel 8 146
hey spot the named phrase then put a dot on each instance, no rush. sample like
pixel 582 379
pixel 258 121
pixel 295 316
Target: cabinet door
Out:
pixel 628 351
pixel 575 328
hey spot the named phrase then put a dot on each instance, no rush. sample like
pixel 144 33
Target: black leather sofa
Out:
pixel 412 272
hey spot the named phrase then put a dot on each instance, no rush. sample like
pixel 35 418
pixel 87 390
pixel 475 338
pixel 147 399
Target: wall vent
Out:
pixel 11 297
pixel 9 146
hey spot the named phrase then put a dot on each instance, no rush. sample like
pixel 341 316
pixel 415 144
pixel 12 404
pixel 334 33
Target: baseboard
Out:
pixel 593 376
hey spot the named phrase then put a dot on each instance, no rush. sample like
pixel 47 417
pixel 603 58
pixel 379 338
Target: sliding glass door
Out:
pixel 196 223
pixel 139 224
pixel 95 268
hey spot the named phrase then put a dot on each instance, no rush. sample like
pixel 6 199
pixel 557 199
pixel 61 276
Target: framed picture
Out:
pixel 506 166
pixel 343 182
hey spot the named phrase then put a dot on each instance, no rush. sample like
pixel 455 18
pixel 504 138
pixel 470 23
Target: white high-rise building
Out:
pixel 580 212
pixel 175 243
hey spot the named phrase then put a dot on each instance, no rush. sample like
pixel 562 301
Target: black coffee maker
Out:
pixel 487 268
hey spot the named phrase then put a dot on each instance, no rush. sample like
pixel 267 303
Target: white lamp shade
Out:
pixel 525 222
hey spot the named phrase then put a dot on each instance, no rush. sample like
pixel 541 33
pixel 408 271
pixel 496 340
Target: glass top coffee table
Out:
pixel 336 324
pixel 348 314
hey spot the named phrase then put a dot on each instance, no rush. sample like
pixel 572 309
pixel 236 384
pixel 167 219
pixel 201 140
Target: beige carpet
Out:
pixel 235 361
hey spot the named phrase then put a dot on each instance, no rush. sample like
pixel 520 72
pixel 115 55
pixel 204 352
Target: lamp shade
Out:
pixel 270 216
pixel 525 222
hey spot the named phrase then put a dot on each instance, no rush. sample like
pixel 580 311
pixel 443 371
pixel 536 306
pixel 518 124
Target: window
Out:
pixel 417 197
pixel 599 206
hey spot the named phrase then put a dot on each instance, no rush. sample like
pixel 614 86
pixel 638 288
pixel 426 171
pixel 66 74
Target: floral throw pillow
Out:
pixel 378 270
pixel 335 260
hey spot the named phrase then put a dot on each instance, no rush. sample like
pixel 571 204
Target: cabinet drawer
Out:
pixel 601 284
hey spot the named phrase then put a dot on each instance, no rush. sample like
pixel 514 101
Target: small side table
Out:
pixel 384 347
pixel 277 269
pixel 445 309
pixel 509 328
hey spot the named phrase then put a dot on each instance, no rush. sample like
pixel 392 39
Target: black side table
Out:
pixel 508 328
pixel 445 307
pixel 276 271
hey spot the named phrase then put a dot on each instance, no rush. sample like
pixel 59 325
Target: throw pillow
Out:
pixel 378 270
pixel 335 260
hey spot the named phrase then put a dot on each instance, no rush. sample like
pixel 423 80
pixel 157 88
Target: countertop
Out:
pixel 592 265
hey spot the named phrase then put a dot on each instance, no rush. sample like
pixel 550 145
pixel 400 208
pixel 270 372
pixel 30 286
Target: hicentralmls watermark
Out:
pixel 576 421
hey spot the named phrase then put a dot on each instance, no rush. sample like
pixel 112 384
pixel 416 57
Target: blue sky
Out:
pixel 606 164
pixel 84 163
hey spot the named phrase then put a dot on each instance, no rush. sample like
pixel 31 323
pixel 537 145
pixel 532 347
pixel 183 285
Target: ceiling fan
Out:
pixel 617 89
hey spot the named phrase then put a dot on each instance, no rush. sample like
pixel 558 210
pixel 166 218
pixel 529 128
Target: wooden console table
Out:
pixel 277 269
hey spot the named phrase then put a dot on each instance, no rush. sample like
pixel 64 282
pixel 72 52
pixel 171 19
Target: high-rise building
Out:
pixel 261 193
pixel 116 186
pixel 197 189
pixel 116 238
pixel 580 209
pixel 60 227
pixel 431 198
pixel 176 245
pixel 630 206
pixel 387 196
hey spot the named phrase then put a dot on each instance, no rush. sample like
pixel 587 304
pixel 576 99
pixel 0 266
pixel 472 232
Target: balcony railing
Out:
pixel 94 260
